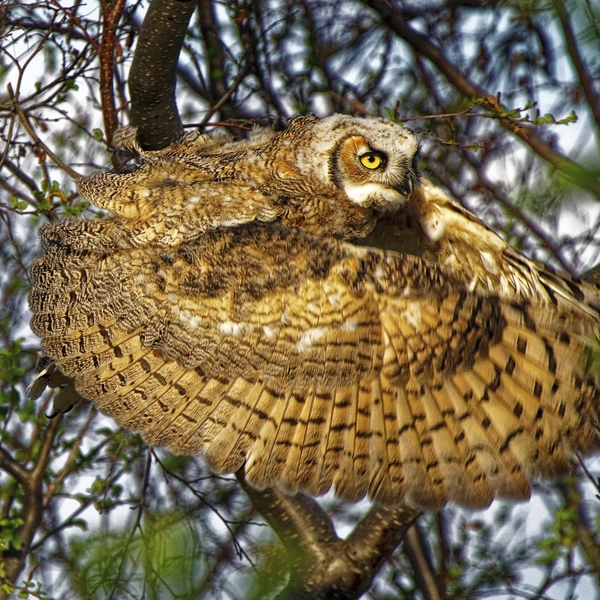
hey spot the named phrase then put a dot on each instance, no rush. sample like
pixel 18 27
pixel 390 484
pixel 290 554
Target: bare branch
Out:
pixel 576 173
pixel 219 104
pixel 12 467
pixel 379 534
pixel 209 31
pixel 34 136
pixel 153 73
pixel 321 564
pixel 585 77
pixel 111 13
pixel 425 577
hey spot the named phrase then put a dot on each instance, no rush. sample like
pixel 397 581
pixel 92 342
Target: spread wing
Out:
pixel 317 363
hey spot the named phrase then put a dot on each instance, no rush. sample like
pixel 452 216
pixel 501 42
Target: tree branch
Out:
pixel 393 18
pixel 585 78
pixel 590 546
pixel 152 76
pixel 425 577
pixel 12 467
pixel 379 534
pixel 215 57
pixel 321 564
pixel 33 505
pixel 111 13
pixel 34 136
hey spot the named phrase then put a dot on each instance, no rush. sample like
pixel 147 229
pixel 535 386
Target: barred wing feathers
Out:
pixel 318 363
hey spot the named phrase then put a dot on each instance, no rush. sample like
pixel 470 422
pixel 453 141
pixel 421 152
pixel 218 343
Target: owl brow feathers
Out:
pixel 226 306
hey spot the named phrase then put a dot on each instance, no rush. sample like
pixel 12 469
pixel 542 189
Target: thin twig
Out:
pixel 226 95
pixel 585 78
pixel 393 18
pixel 34 136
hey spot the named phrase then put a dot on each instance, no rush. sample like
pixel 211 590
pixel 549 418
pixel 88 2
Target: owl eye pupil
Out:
pixel 372 160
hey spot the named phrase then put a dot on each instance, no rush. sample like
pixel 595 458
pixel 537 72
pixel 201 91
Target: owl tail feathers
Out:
pixel 49 377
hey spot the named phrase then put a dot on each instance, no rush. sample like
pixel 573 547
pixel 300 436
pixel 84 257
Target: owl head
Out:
pixel 373 161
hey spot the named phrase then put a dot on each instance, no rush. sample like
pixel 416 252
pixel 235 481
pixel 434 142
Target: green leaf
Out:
pixel 77 209
pixel 16 203
pixel 71 85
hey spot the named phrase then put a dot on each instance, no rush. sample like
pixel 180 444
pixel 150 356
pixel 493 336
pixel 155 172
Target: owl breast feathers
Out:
pixel 304 305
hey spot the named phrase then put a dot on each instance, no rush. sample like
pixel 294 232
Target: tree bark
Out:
pixel 322 565
pixel 153 71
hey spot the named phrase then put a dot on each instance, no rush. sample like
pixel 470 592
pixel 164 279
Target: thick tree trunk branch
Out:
pixel 152 77
pixel 321 564
pixel 379 533
pixel 394 19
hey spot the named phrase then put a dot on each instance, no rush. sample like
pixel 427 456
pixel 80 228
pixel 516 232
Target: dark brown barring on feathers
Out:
pixel 304 304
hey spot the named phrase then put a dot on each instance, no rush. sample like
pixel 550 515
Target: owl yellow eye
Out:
pixel 372 160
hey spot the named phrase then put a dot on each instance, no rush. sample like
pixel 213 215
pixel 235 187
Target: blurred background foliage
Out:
pixel 505 98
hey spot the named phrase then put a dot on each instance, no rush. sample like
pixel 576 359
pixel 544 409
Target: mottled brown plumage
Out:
pixel 236 302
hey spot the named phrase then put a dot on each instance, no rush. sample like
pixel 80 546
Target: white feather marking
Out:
pixel 229 222
pixel 309 337
pixel 334 299
pixel 349 325
pixel 413 315
pixel 270 331
pixel 369 194
pixel 191 202
pixel 234 329
pixel 379 272
pixel 313 307
pixel 189 318
pixel 434 227
pixel 489 262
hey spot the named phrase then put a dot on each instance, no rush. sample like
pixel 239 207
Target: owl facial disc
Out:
pixel 372 160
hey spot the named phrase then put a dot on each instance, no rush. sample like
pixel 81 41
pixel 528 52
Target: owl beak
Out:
pixel 407 186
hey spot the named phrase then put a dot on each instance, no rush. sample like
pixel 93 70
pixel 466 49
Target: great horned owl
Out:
pixel 236 302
